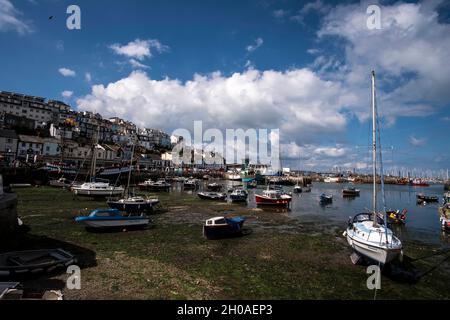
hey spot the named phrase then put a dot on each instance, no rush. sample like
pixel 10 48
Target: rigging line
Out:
pixel 82 164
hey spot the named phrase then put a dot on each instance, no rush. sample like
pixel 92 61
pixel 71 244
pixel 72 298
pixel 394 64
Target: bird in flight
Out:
pixel 50 18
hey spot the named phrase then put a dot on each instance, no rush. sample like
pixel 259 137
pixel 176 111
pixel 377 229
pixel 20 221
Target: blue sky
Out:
pixel 300 66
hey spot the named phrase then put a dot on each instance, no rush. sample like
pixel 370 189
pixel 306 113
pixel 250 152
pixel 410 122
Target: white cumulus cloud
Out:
pixel 255 45
pixel 67 94
pixel 139 49
pixel 67 72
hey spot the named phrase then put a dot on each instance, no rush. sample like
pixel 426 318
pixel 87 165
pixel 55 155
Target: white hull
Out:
pixel 117 223
pixel 380 254
pixel 97 192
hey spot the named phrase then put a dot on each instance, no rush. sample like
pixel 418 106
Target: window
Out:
pixel 24 144
pixel 47 148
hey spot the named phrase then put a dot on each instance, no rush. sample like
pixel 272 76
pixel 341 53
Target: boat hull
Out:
pixel 216 198
pixel 374 253
pixel 117 223
pixel 220 232
pixel 97 193
pixel 261 200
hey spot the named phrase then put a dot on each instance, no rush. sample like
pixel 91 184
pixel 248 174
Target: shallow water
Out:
pixel 422 222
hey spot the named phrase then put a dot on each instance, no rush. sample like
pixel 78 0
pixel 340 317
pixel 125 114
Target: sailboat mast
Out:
pixel 94 155
pixel 374 151
pixel 131 166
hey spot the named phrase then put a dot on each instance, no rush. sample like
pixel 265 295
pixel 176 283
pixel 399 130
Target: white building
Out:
pixel 20 105
pixel 29 145
pixel 51 147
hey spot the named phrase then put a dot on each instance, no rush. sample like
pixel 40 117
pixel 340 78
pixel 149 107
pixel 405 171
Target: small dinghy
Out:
pixel 221 227
pixel 421 198
pixel 396 217
pixel 298 189
pixel 239 195
pixel 212 196
pixel 350 192
pixel 326 198
pixel 191 184
pixel 113 218
pixel 160 185
pixel 214 187
pixel 34 261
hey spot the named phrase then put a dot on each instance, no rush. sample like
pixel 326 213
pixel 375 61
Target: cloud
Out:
pixel 280 13
pixel 67 94
pixel 139 49
pixel 10 19
pixel 257 43
pixel 317 6
pixel 409 54
pixel 296 101
pixel 88 77
pixel 67 72
pixel 417 142
pixel 137 65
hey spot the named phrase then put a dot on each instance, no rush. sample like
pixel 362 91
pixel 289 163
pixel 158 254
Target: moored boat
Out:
pixel 191 184
pixel 418 183
pixel 34 261
pixel 221 227
pixel 212 196
pixel 133 204
pixel 273 198
pixel 366 233
pixel 298 189
pixel 214 186
pixel 326 198
pixel 239 195
pixel 97 188
pixel 160 185
pixel 113 218
pixel 350 192
pixel 396 216
pixel 376 242
pixel 426 198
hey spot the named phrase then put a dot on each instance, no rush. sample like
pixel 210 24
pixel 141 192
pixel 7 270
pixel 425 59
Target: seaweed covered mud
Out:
pixel 284 257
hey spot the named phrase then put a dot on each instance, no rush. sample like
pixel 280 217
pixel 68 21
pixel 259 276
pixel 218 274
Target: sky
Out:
pixel 302 67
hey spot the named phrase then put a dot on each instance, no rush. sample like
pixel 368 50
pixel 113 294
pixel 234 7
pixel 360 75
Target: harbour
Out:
pixel 171 259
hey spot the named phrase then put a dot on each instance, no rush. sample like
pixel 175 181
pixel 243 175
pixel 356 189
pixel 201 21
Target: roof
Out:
pixel 32 139
pixel 51 140
pixel 6 133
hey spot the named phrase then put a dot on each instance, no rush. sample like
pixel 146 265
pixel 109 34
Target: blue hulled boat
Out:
pixel 113 218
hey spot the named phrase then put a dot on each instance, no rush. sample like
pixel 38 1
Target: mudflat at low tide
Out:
pixel 283 257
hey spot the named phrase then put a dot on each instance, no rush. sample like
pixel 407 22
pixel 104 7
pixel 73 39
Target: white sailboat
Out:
pixel 366 233
pixel 96 187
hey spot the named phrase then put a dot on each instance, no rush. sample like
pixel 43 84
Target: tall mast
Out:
pixel 374 151
pixel 131 166
pixel 94 159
